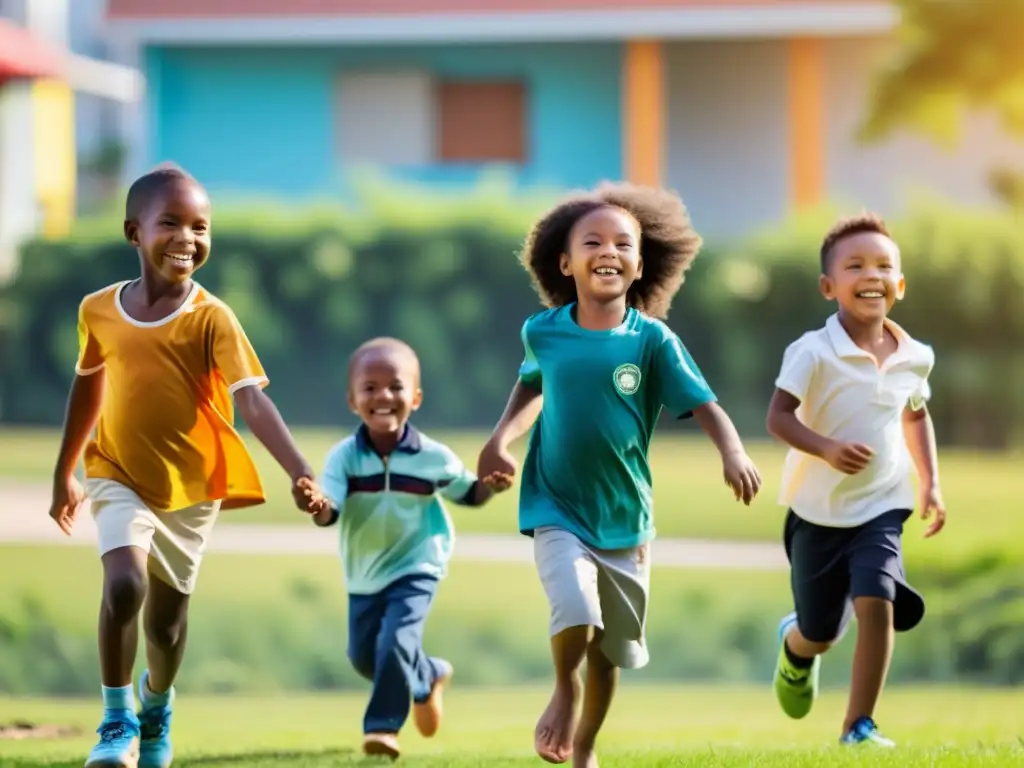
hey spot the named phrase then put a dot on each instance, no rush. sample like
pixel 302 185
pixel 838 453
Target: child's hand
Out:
pixel 496 465
pixel 67 499
pixel 742 476
pixel 308 497
pixel 497 482
pixel 849 458
pixel 933 505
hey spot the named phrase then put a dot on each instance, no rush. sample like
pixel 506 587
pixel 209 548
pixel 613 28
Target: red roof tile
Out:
pixel 153 9
pixel 24 55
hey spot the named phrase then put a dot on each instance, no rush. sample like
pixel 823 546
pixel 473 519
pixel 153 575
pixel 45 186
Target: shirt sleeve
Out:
pixel 923 393
pixel 797 372
pixel 334 482
pixel 233 355
pixel 529 370
pixel 457 483
pixel 90 356
pixel 681 386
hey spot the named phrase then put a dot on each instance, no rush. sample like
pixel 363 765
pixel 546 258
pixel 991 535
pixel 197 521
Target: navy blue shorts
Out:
pixel 830 567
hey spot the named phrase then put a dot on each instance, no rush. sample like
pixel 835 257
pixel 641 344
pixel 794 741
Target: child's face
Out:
pixel 173 233
pixel 385 390
pixel 604 254
pixel 864 276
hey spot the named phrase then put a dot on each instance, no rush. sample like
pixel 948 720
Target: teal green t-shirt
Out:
pixel 586 468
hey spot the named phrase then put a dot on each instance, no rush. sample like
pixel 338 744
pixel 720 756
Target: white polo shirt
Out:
pixel 844 394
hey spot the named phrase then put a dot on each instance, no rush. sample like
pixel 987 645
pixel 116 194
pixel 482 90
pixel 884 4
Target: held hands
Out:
pixel 848 458
pixel 741 475
pixel 496 467
pixel 934 508
pixel 309 498
pixel 68 498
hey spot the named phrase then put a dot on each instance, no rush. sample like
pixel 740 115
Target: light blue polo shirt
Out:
pixel 392 522
pixel 586 468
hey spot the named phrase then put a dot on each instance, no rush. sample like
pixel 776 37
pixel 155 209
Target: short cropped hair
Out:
pixel 382 344
pixel 848 226
pixel 668 245
pixel 151 184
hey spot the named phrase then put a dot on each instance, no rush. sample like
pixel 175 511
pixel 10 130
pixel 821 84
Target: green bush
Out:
pixel 441 272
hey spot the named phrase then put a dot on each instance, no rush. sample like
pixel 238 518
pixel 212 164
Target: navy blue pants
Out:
pixel 385 645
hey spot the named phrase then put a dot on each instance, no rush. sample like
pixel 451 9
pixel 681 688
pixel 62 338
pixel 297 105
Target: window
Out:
pixel 386 118
pixel 481 122
pixel 412 119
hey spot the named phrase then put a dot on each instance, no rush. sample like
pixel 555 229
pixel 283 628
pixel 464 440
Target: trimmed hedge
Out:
pixel 441 272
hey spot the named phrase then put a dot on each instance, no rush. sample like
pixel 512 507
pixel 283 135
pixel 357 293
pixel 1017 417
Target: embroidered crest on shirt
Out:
pixel 626 379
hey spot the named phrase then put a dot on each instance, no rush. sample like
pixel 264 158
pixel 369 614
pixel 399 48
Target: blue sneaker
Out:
pixel 795 688
pixel 864 731
pixel 155 750
pixel 118 746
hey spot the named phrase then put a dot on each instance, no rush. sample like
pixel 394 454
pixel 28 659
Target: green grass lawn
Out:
pixel 663 726
pixel 691 499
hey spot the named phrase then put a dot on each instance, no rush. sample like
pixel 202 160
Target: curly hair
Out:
pixel 863 222
pixel 668 245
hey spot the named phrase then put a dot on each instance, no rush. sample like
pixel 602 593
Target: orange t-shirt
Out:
pixel 166 425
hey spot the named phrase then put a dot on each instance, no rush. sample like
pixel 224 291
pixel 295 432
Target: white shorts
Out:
pixel 175 541
pixel 607 589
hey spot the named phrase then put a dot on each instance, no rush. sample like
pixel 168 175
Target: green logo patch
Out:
pixel 626 379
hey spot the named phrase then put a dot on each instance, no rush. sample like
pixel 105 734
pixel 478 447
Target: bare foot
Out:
pixel 428 714
pixel 553 737
pixel 381 745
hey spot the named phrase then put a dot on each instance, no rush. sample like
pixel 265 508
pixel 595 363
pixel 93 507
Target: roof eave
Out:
pixel 828 19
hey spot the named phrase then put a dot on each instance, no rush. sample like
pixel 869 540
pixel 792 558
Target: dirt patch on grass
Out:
pixel 21 729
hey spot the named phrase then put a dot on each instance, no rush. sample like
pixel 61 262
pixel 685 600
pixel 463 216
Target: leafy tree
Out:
pixel 950 54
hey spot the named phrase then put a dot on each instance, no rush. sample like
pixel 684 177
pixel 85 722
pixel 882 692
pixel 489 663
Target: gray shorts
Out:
pixel 604 588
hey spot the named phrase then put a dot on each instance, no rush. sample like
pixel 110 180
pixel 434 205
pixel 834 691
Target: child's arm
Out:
pixel 81 415
pixel 335 487
pixel 740 473
pixel 264 420
pixel 234 356
pixel 784 424
pixel 683 390
pixel 496 466
pixel 461 486
pixel 920 436
pixel 796 376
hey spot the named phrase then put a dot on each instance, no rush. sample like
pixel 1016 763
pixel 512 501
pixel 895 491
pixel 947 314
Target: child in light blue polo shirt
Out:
pixel 385 484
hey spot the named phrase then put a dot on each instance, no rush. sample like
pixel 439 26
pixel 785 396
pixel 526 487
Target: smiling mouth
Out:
pixel 607 272
pixel 383 411
pixel 181 260
pixel 870 294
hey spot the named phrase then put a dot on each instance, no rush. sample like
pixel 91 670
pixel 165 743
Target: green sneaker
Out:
pixel 796 689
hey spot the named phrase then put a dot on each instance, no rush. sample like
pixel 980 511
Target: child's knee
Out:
pixel 123 592
pixel 363 660
pixel 166 634
pixel 873 612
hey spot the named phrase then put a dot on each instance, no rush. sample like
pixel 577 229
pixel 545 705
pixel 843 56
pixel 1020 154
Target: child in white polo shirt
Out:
pixel 850 402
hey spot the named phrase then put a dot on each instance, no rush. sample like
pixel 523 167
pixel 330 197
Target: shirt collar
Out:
pixel 409 442
pixel 845 346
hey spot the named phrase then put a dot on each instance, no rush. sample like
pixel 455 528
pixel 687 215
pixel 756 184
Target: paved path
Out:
pixel 23 520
